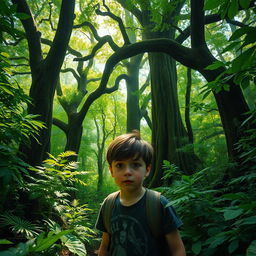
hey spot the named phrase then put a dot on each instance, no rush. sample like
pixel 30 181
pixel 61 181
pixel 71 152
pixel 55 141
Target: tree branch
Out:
pixel 32 34
pixel 117 19
pixel 63 126
pixel 61 38
pixel 197 22
pixel 72 71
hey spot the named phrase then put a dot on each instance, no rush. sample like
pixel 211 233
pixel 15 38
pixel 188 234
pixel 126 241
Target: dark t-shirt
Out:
pixel 130 232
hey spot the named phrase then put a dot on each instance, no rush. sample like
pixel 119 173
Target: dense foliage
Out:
pixel 51 208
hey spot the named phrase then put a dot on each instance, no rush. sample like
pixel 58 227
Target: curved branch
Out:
pixel 116 86
pixel 101 40
pixel 32 34
pixel 181 53
pixel 135 11
pixel 61 38
pixel 118 20
pixel 72 71
pixel 235 22
pixel 99 91
pixel 49 19
pixel 60 124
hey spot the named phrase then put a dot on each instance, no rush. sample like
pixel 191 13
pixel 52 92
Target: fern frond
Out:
pixel 18 225
pixel 67 154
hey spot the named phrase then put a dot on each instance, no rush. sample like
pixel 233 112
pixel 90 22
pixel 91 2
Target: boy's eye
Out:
pixel 136 165
pixel 119 165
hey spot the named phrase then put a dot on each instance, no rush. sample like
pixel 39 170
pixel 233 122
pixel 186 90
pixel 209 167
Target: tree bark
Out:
pixel 132 85
pixel 45 73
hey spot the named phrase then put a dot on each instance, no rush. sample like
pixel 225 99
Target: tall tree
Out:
pixel 168 133
pixel 44 72
pixel 231 103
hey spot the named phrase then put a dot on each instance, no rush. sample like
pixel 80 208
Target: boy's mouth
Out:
pixel 127 181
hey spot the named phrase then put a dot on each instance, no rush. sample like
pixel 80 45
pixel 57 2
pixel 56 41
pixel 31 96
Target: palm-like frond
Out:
pixel 18 225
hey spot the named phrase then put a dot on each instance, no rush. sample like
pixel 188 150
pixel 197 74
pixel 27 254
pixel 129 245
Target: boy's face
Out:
pixel 129 174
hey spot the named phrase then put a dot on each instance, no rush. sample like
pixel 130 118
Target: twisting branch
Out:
pixel 145 85
pixel 14 73
pixel 235 22
pixel 49 19
pixel 101 41
pixel 63 126
pixel 117 81
pixel 72 71
pixel 117 19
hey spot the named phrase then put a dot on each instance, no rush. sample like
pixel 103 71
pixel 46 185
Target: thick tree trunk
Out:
pixel 74 136
pixel 132 103
pixel 168 133
pixel 44 75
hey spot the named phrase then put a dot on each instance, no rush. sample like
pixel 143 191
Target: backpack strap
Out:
pixel 154 213
pixel 107 209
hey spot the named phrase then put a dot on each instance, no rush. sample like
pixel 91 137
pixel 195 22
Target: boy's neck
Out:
pixel 128 198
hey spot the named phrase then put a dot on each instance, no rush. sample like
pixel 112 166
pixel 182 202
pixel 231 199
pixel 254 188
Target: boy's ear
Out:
pixel 148 169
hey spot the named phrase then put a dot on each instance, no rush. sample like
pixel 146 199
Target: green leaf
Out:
pixel 243 60
pixel 232 213
pixel 215 65
pixel 50 240
pixel 247 221
pixel 251 250
pixel 197 247
pixel 217 241
pixel 5 241
pixel 245 82
pixel 74 245
pixel 233 9
pixel 239 32
pixel 245 3
pixel 22 16
pixel 233 246
pixel 226 87
pixel 230 46
pixel 210 4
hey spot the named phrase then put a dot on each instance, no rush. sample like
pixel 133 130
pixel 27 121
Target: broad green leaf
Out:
pixel 5 241
pixel 245 3
pixel 240 32
pixel 226 87
pixel 197 247
pixel 74 245
pixel 217 241
pixel 235 196
pixel 245 82
pixel 233 9
pixel 230 46
pixel 233 246
pixel 250 37
pixel 243 60
pixel 215 65
pixel 50 240
pixel 22 16
pixel 247 221
pixel 251 250
pixel 232 213
pixel 210 4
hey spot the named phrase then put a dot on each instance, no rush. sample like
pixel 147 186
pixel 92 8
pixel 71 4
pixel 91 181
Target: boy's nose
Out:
pixel 128 170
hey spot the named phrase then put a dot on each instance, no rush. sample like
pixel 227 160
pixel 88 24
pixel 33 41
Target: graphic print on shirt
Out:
pixel 128 235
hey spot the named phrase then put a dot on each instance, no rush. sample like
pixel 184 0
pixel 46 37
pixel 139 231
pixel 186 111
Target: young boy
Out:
pixel 129 159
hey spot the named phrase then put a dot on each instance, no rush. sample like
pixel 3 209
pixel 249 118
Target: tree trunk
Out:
pixel 44 75
pixel 132 85
pixel 168 133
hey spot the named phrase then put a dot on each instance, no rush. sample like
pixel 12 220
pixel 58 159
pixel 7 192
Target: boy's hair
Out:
pixel 129 145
